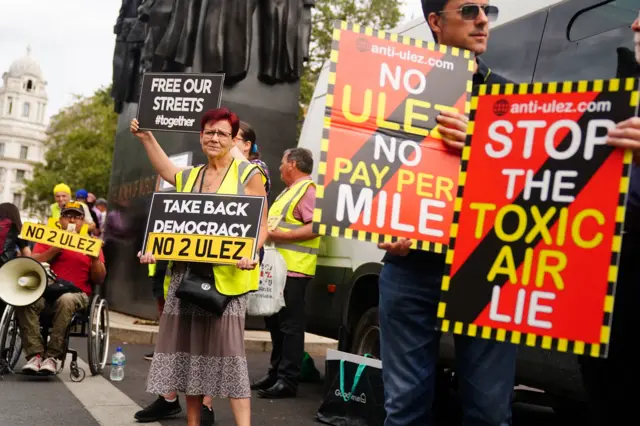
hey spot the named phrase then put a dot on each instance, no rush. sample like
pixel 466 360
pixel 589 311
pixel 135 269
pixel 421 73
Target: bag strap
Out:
pixel 356 378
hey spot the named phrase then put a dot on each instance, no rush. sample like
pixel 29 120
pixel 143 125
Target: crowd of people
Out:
pixel 76 274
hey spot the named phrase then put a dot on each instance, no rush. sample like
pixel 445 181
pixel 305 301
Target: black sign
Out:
pixel 211 228
pixel 175 102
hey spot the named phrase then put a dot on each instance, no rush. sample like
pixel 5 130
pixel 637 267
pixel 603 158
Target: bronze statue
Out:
pixel 209 36
pixel 129 33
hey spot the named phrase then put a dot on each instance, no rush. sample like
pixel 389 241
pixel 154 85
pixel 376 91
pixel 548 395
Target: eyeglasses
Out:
pixel 71 216
pixel 470 12
pixel 209 134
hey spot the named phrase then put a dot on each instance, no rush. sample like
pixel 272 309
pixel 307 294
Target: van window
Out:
pixel 607 16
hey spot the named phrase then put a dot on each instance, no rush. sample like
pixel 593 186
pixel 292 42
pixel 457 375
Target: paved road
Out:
pixel 97 401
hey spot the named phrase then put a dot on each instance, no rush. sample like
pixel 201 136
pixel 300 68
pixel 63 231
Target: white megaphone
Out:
pixel 23 280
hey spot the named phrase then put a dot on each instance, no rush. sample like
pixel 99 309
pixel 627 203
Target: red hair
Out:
pixel 220 114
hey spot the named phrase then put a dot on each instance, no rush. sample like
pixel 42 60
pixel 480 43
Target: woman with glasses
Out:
pixel 197 352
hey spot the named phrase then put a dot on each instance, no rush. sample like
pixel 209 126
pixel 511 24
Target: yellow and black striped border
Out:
pixel 339 27
pixel 630 85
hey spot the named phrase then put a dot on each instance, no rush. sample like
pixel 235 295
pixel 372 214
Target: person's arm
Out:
pixel 159 159
pixel 98 271
pixel 87 218
pixel 255 187
pixel 305 211
pixel 46 255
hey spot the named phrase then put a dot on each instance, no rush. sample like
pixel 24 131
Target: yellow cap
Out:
pixel 61 187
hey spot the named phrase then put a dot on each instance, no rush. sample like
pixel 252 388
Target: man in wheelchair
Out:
pixel 76 268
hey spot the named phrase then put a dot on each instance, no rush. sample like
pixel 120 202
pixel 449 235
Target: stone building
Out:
pixel 23 103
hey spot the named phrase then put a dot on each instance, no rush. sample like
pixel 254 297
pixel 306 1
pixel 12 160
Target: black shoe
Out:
pixel 264 383
pixel 207 416
pixel 158 410
pixel 278 391
pixel 149 356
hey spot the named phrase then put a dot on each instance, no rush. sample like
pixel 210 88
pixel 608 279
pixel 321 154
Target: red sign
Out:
pixel 534 251
pixel 385 172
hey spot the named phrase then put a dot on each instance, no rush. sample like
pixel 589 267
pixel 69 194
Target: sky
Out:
pixel 73 40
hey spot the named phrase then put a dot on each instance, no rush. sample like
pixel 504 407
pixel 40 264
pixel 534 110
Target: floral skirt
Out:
pixel 197 352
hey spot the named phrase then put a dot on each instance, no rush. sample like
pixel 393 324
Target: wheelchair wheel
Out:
pixel 77 374
pixel 10 341
pixel 98 335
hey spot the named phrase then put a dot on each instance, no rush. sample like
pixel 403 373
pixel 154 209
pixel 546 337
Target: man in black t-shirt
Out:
pixel 410 280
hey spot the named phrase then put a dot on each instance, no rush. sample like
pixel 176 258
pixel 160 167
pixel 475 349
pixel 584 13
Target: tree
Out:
pixel 378 14
pixel 79 147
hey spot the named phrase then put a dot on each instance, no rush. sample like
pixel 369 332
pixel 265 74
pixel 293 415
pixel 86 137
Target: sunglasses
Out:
pixel 470 12
pixel 70 216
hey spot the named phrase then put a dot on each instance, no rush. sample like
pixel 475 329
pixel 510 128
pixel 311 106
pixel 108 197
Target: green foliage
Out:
pixel 80 143
pixel 379 14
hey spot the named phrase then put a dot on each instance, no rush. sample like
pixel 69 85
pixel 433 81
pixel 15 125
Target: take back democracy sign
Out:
pixel 176 101
pixel 211 228
pixel 384 171
pixel 537 232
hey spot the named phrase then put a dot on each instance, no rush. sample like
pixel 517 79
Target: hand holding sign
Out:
pixel 626 135
pixel 398 248
pixel 453 128
pixel 146 258
pixel 143 135
pixel 247 264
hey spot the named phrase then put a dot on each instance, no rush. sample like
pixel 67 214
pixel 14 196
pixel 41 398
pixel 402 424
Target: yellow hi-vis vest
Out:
pixel 230 280
pixel 300 256
pixel 152 269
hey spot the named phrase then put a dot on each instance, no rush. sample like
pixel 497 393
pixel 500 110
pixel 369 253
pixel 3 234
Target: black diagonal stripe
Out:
pixel 444 87
pixel 469 291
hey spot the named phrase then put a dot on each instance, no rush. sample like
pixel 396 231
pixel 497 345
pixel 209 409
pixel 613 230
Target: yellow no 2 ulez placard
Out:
pixel 63 239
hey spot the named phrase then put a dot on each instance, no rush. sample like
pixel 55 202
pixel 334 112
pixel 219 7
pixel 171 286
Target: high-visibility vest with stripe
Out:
pixel 300 256
pixel 230 280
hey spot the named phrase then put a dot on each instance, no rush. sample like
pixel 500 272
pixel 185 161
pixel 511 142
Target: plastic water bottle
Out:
pixel 117 365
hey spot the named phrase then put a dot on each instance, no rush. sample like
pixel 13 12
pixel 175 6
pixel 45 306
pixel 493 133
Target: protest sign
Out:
pixel 538 224
pixel 211 228
pixel 55 237
pixel 183 161
pixel 384 171
pixel 176 101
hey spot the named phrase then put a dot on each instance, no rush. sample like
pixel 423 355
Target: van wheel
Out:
pixel 366 339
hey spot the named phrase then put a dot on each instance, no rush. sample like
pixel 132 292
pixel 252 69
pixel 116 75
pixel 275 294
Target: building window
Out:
pixel 3 173
pixel 2 144
pixel 10 102
pixel 24 151
pixel 17 200
pixel 29 86
pixel 26 109
pixel 20 175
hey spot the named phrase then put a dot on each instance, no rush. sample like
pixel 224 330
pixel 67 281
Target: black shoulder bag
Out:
pixel 198 285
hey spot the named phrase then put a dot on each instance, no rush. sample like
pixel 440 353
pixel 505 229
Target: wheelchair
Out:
pixel 92 323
